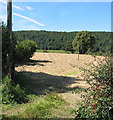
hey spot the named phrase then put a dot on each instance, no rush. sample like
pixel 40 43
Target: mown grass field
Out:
pixel 52 82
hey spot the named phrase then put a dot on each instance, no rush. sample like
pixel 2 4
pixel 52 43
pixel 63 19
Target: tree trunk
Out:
pixel 78 51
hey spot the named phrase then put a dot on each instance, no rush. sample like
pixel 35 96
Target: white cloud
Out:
pixel 17 7
pixel 3 1
pixel 29 19
pixel 14 6
pixel 3 18
pixel 29 8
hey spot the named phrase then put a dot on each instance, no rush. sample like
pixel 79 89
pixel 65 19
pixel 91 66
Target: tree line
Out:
pixel 51 40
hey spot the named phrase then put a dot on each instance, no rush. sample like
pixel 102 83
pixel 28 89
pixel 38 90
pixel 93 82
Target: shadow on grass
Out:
pixel 43 83
pixel 33 62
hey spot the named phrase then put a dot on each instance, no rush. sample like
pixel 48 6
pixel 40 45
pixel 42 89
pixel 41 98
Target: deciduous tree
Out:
pixel 84 40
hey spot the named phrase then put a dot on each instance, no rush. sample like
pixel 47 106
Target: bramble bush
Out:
pixel 98 99
pixel 25 49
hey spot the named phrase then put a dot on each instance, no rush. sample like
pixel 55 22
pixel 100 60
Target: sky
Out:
pixel 59 16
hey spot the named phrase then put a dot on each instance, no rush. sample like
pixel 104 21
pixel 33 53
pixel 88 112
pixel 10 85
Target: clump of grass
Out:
pixel 43 107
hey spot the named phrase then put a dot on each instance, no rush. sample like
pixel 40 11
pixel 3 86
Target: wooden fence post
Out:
pixel 10 62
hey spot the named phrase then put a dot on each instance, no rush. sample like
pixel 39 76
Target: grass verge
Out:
pixel 55 51
pixel 49 106
pixel 51 51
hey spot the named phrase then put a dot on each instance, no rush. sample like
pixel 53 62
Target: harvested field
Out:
pixel 55 72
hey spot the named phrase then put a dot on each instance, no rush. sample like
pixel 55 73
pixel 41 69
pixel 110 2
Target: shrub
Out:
pixel 98 102
pixel 6 47
pixel 12 93
pixel 25 49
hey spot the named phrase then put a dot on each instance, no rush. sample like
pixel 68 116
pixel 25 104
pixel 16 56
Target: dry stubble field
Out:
pixel 54 72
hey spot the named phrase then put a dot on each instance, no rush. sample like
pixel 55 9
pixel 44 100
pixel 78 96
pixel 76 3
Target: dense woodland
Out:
pixel 51 40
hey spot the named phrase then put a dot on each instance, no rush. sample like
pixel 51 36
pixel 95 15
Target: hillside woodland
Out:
pixel 51 40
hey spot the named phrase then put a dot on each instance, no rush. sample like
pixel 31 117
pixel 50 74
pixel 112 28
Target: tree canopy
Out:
pixel 83 41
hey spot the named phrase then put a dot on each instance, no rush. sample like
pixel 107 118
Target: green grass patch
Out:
pixel 71 73
pixel 38 107
pixel 55 51
pixel 51 51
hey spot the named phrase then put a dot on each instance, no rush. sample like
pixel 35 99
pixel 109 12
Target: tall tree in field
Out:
pixel 10 62
pixel 83 42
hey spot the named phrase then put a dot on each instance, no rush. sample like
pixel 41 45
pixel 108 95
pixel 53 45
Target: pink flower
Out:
pixel 91 96
pixel 92 111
